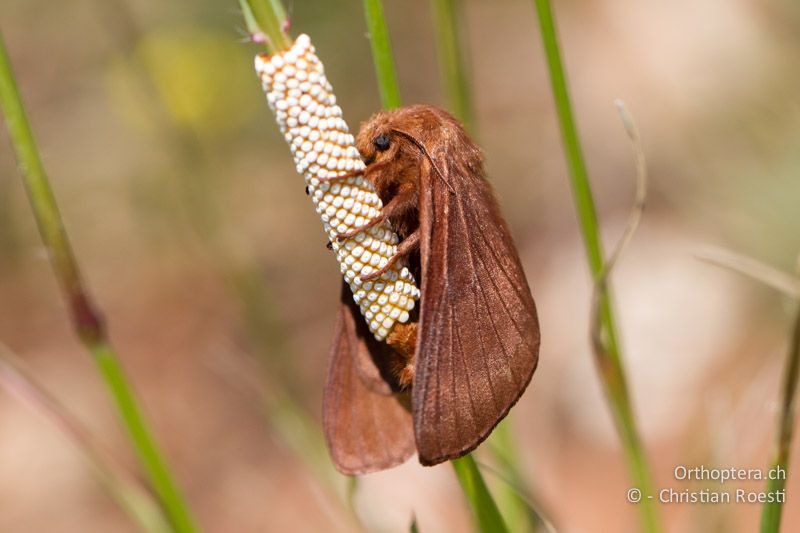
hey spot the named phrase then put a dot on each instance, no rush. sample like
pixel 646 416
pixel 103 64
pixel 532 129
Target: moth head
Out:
pixel 376 141
pixel 396 134
pixel 405 137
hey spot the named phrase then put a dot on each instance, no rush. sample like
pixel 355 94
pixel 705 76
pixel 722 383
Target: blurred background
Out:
pixel 209 263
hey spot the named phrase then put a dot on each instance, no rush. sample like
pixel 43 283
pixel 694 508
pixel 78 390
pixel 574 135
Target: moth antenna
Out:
pixel 427 154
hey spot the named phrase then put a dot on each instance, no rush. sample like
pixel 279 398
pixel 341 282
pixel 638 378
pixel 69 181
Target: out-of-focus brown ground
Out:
pixel 198 243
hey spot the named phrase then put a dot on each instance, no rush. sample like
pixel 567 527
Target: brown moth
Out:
pixel 442 382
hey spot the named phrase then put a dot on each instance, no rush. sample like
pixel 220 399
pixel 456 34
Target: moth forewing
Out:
pixel 478 331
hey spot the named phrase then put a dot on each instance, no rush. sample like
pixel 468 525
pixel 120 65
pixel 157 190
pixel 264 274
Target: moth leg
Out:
pixel 353 173
pixel 401 201
pixel 350 174
pixel 409 243
pixel 348 234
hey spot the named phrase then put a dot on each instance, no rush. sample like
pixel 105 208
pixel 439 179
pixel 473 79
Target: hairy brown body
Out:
pixel 471 350
pixel 413 132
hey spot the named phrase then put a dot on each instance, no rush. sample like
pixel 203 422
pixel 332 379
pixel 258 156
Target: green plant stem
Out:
pixel 451 60
pixel 453 65
pixel 483 506
pixel 611 366
pixel 771 512
pixel 269 18
pixel 146 449
pixel 512 494
pixel 86 320
pixel 382 54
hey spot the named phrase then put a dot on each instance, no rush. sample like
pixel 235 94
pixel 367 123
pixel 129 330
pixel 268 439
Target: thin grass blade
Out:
pixel 612 371
pixel 748 266
pixel 382 54
pixel 86 319
pixel 772 510
pixel 484 509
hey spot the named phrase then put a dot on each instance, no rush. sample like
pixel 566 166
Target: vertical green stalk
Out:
pixel 610 364
pixel 269 17
pixel 790 286
pixel 382 54
pixel 513 494
pixel 86 320
pixel 453 66
pixel 483 506
pixel 451 60
pixel 771 512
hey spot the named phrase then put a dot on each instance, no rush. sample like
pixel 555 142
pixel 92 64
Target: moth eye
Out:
pixel 381 142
